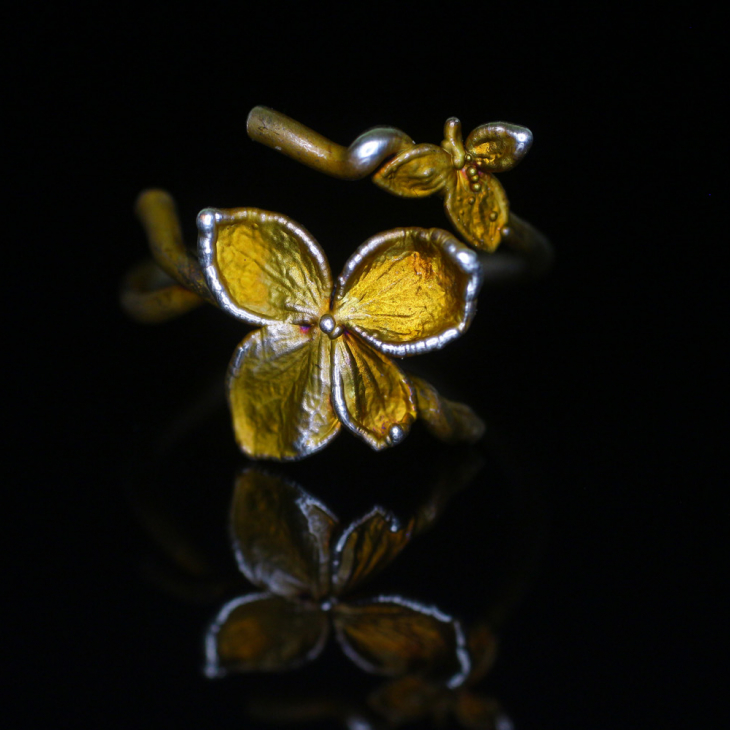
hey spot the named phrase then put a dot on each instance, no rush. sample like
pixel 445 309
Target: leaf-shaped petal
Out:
pixel 478 216
pixel 366 547
pixel 417 172
pixel 279 392
pixel 263 633
pixel 281 535
pixel 392 636
pixel 263 267
pixel 499 146
pixel 446 419
pixel 409 290
pixel 371 395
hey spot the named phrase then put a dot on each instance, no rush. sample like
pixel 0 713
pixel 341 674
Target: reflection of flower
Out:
pixel 283 540
pixel 412 698
pixel 320 357
pixel 402 702
pixel 475 201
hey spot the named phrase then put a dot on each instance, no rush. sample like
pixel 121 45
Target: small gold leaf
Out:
pixel 478 215
pixel 416 173
pixel 499 146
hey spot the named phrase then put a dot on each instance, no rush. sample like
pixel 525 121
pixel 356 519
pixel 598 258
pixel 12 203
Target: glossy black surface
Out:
pixel 601 504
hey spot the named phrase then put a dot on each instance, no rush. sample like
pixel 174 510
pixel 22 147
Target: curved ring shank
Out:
pixel 531 254
pixel 156 211
pixel 304 145
pixel 150 296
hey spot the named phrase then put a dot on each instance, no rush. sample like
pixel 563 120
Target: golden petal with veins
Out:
pixel 279 392
pixel 478 216
pixel 264 266
pixel 419 171
pixel 371 395
pixel 408 290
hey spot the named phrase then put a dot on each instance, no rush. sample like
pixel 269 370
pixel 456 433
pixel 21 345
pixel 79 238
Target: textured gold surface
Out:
pixel 279 392
pixel 268 633
pixel 478 216
pixel 405 290
pixel 282 541
pixel 269 270
pixel 475 201
pixel 395 639
pixel 414 170
pixel 417 172
pixel 368 548
pixel 402 289
pixel 498 146
pixel 376 394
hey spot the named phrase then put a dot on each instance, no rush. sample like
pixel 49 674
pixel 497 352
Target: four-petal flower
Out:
pixel 320 357
pixel 292 546
pixel 462 172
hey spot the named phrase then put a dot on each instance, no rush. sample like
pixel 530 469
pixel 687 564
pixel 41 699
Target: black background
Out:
pixel 601 383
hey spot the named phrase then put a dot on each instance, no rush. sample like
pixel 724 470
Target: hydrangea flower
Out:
pixel 322 354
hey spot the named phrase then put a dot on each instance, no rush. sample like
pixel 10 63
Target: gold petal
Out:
pixel 447 420
pixel 499 146
pixel 409 290
pixel 416 173
pixel 279 392
pixel 366 547
pixel 392 636
pixel 371 395
pixel 263 633
pixel 281 535
pixel 263 267
pixel 478 216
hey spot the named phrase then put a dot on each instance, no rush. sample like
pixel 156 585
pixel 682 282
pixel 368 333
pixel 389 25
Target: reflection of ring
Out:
pixel 462 172
pixel 291 546
pixel 321 356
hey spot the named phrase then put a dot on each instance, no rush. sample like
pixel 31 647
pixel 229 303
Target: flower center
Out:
pixel 328 325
